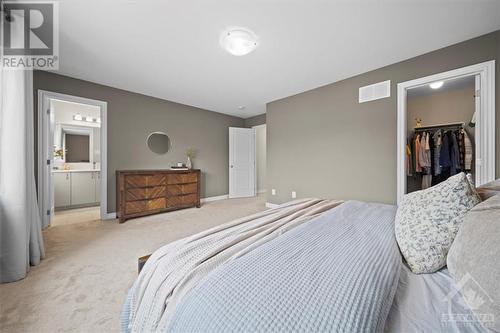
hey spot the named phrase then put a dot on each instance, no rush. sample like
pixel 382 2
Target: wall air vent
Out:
pixel 375 91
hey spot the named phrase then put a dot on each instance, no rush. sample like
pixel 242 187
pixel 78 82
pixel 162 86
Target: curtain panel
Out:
pixel 21 242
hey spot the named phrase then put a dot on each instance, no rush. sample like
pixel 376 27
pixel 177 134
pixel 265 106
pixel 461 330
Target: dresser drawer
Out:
pixel 133 194
pixel 182 200
pixel 160 203
pixel 182 178
pixel 133 207
pixel 140 206
pixel 179 189
pixel 135 181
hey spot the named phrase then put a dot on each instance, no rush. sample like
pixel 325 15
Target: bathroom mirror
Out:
pixel 158 142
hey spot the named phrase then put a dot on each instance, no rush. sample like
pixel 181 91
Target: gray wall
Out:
pixel 442 107
pixel 131 117
pixel 323 143
pixel 255 120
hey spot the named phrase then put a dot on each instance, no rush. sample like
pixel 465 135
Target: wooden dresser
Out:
pixel 146 192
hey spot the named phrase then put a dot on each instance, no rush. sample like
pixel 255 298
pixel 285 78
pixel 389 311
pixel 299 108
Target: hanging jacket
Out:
pixel 444 155
pixel 425 154
pixel 468 152
pixel 454 155
pixel 437 150
pixel 409 171
pixel 418 167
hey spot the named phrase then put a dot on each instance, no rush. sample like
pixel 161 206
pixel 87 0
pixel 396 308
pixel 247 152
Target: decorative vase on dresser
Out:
pixel 146 192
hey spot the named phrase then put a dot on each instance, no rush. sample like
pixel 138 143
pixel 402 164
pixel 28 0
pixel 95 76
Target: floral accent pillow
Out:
pixel 427 222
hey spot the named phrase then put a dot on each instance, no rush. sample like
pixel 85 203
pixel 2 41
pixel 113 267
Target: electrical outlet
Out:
pixel 273 191
pixel 294 194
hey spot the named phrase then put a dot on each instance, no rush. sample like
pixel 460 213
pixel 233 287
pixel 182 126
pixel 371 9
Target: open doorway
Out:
pixel 72 159
pixel 446 125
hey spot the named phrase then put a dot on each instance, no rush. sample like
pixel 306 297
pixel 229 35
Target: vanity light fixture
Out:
pixel 436 85
pixel 238 41
pixel 87 119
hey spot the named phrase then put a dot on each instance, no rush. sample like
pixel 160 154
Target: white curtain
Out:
pixel 21 243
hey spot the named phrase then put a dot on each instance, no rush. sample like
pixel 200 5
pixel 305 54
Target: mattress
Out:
pixel 429 303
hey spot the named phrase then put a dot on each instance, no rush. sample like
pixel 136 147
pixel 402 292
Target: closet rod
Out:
pixel 442 126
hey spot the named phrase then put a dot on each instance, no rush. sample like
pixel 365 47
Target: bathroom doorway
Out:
pixel 71 159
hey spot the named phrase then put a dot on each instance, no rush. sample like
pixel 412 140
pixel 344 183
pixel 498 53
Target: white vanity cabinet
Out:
pixel 82 188
pixel 97 179
pixel 76 188
pixel 62 189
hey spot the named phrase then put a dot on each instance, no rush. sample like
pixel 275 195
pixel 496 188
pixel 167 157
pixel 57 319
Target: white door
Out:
pixel 241 162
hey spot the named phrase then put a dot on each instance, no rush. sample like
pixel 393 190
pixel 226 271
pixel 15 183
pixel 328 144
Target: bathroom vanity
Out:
pixel 76 188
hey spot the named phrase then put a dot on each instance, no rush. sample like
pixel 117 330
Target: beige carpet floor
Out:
pixel 78 215
pixel 82 283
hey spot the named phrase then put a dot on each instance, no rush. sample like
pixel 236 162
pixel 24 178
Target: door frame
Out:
pixel 257 191
pixel 485 121
pixel 43 112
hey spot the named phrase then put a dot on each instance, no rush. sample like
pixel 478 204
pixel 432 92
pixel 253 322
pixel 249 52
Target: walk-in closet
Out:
pixel 441 132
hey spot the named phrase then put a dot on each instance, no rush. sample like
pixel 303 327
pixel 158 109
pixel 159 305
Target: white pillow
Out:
pixel 427 221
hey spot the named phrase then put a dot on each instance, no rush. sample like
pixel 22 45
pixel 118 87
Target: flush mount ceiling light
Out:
pixel 436 85
pixel 238 41
pixel 242 107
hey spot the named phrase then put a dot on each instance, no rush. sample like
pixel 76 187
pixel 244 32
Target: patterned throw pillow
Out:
pixel 427 221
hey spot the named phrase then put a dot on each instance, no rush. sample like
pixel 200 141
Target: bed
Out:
pixel 308 266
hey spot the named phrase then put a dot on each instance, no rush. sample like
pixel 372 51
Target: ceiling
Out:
pixel 450 84
pixel 170 49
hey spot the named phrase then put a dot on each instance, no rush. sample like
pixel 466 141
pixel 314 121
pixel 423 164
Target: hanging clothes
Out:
pixel 461 149
pixel 418 168
pixel 437 149
pixel 436 153
pixel 444 155
pixel 454 155
pixel 409 171
pixel 426 161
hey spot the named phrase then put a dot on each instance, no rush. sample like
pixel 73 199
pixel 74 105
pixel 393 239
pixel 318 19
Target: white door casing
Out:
pixel 241 162
pixel 485 120
pixel 45 151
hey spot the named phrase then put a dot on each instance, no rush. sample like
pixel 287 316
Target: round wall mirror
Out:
pixel 159 142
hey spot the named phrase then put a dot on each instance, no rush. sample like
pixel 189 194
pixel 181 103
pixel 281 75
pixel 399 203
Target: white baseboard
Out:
pixel 110 216
pixel 271 205
pixel 220 197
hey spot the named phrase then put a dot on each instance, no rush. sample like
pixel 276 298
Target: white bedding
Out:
pixel 421 305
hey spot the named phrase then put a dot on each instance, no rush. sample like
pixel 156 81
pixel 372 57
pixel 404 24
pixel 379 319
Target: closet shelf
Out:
pixel 442 126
